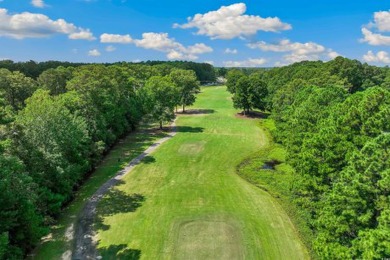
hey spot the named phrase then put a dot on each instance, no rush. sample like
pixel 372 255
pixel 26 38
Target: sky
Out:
pixel 251 33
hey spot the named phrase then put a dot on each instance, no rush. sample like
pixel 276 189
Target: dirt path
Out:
pixel 84 243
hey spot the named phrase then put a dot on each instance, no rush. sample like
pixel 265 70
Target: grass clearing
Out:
pixel 194 205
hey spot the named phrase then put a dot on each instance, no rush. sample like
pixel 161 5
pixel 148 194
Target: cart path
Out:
pixel 84 244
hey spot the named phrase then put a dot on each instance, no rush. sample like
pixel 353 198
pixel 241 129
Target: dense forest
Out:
pixel 334 120
pixel 56 126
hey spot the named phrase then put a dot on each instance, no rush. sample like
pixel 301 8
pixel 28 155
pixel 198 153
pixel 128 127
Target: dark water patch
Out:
pixel 270 165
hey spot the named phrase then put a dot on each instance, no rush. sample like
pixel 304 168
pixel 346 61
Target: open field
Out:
pixel 185 201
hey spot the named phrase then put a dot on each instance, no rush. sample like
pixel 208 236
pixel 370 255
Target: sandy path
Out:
pixel 84 243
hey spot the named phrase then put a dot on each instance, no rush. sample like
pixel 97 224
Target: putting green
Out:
pixel 192 204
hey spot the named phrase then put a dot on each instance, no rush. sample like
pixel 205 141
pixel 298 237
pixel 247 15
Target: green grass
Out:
pixel 187 202
pixel 277 182
pixel 59 242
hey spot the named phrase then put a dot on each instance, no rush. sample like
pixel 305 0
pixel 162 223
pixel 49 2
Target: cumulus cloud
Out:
pixel 175 50
pixel 160 42
pixel 230 22
pixel 83 34
pixel 287 46
pixel 110 48
pixel 94 53
pixel 297 51
pixel 381 24
pixel 332 54
pixel 379 57
pixel 374 38
pixel 32 25
pixel 245 63
pixel 231 51
pixel 116 38
pixel 382 21
pixel 38 3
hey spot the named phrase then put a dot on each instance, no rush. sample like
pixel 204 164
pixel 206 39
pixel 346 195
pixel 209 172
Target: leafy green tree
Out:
pixel 55 146
pixel 15 88
pixel 242 93
pixel 187 84
pixel 358 206
pixel 55 80
pixel 259 92
pixel 250 92
pixel 20 225
pixel 232 78
pixel 161 93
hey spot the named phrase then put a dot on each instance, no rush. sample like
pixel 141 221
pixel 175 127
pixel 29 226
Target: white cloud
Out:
pixel 110 48
pixel 38 3
pixel 231 51
pixel 115 38
pixel 230 22
pixel 375 38
pixel 297 51
pixel 381 24
pixel 94 53
pixel 209 62
pixel 32 25
pixel 175 50
pixel 157 41
pixel 160 42
pixel 332 54
pixel 380 57
pixel 382 21
pixel 83 34
pixel 245 63
pixel 287 46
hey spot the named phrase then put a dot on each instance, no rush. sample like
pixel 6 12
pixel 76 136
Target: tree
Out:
pixel 55 146
pixel 232 78
pixel 354 218
pixel 20 225
pixel 250 92
pixel 241 95
pixel 161 93
pixel 187 84
pixel 55 80
pixel 15 88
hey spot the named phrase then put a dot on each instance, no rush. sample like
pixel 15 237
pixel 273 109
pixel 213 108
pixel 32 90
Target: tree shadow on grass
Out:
pixel 189 129
pixel 119 252
pixel 197 112
pixel 253 114
pixel 148 159
pixel 115 202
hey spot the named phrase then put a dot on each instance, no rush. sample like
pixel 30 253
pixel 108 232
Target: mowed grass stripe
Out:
pixel 193 204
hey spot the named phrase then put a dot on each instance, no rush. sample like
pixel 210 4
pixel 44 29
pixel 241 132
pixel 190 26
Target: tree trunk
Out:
pixel 183 108
pixel 161 125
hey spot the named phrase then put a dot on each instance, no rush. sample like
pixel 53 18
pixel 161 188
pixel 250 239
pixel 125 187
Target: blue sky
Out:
pixel 248 33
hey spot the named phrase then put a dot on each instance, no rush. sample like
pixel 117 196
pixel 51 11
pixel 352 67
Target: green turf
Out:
pixel 278 182
pixel 59 242
pixel 187 202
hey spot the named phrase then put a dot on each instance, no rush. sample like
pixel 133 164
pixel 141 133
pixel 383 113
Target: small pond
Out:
pixel 270 165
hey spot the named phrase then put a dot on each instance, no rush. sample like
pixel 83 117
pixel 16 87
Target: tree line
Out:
pixel 56 128
pixel 334 120
pixel 204 71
